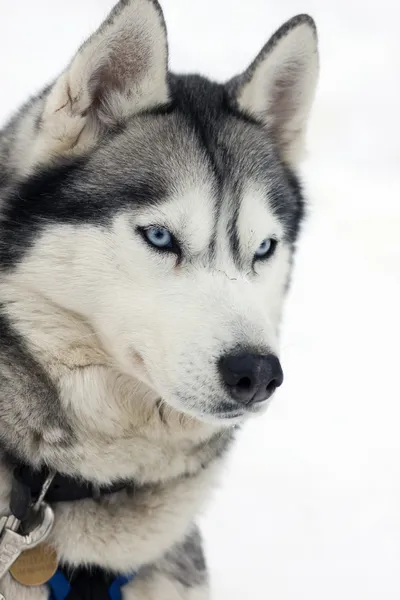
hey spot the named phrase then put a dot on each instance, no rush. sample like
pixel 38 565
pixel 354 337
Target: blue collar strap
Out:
pixel 87 584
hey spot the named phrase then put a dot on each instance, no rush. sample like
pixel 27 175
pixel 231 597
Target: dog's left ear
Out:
pixel 279 86
pixel 120 71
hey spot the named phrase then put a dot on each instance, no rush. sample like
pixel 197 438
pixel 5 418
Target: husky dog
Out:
pixel 147 228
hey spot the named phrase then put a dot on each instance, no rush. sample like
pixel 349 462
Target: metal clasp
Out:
pixel 13 544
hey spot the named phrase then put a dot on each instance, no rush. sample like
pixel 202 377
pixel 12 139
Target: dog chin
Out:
pixel 220 420
pixel 232 416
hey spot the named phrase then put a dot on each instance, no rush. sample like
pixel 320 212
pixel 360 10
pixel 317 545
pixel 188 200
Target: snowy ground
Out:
pixel 310 506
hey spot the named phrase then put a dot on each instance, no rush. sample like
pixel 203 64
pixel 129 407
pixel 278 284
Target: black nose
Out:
pixel 251 378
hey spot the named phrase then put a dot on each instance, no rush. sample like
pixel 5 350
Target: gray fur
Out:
pixel 184 563
pixel 109 352
pixel 36 423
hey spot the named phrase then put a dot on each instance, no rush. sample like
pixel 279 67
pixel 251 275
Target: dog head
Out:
pixel 163 209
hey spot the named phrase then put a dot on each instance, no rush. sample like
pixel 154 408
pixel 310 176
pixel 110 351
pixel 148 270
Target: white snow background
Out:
pixel 309 507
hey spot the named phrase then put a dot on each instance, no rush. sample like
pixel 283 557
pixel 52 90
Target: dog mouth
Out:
pixel 233 416
pixel 232 413
pixel 225 416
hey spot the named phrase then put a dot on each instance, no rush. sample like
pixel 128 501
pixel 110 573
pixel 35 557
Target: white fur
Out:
pixel 163 323
pixel 281 88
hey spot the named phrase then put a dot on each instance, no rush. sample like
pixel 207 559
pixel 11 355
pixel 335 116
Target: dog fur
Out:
pixel 109 350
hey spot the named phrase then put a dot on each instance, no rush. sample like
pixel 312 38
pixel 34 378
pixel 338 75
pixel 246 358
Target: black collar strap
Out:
pixel 28 484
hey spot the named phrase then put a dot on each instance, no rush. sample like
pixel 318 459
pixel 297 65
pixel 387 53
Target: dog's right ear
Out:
pixel 278 88
pixel 119 71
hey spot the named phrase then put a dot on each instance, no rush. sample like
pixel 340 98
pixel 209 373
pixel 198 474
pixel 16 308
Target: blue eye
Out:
pixel 265 249
pixel 159 237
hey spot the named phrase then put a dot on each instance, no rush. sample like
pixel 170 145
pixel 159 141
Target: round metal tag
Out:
pixel 36 566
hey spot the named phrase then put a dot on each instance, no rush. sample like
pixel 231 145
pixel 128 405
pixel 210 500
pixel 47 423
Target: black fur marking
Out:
pixel 53 196
pixel 233 233
pixel 208 109
pixel 119 174
pixel 200 101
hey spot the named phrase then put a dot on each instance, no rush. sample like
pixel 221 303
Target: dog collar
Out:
pixel 28 484
pixel 87 584
pixel 83 583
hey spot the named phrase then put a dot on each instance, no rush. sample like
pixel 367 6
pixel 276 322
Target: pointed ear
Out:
pixel 118 72
pixel 279 86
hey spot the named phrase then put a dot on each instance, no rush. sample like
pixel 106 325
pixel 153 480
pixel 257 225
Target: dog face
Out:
pixel 163 210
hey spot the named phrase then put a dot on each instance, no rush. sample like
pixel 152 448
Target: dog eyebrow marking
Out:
pixel 233 235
